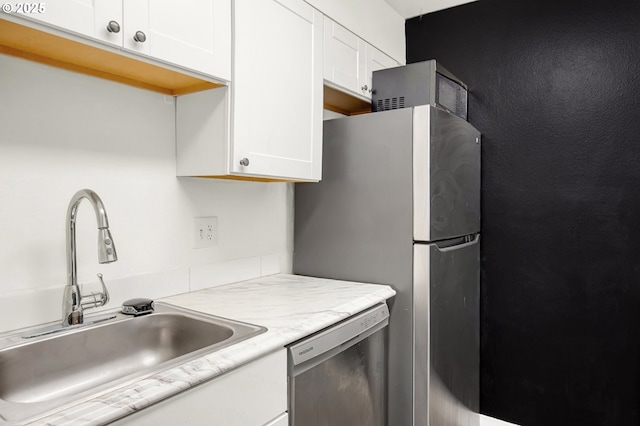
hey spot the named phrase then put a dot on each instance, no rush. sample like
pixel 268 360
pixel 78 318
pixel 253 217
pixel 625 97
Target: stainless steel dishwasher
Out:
pixel 338 376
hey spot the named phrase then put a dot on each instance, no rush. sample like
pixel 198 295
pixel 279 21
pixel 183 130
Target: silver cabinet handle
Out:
pixel 365 88
pixel 140 37
pixel 244 162
pixel 113 27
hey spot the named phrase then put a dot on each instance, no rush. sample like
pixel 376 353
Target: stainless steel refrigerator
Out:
pixel 399 204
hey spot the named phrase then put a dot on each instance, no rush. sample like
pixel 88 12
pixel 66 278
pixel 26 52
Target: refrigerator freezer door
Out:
pixel 447 334
pixel 446 179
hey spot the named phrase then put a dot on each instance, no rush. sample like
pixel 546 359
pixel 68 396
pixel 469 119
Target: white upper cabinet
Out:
pixel 268 123
pixel 374 21
pixel 277 90
pixel 350 61
pixel 84 17
pixel 194 34
pixel 344 57
pixel 375 60
pixel 190 34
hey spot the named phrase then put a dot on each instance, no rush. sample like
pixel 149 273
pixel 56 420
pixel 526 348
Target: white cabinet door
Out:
pixel 83 17
pixel 190 34
pixel 349 61
pixel 277 90
pixel 194 34
pixel 344 57
pixel 376 60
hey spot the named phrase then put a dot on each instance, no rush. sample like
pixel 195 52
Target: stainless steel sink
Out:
pixel 38 374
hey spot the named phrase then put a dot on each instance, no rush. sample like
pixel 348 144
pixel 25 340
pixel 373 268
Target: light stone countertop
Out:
pixel 289 306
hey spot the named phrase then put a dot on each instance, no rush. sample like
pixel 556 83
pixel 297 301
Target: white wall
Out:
pixel 60 132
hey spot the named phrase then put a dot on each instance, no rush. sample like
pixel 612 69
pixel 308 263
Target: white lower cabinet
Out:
pixel 252 395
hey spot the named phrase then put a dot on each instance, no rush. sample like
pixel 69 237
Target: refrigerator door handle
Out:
pixel 475 240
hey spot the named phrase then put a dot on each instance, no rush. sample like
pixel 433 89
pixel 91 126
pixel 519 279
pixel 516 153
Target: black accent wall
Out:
pixel 555 90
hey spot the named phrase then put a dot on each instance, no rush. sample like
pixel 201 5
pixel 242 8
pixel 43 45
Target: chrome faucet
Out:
pixel 73 302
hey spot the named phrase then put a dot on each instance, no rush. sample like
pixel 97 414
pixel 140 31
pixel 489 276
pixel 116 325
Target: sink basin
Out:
pixel 39 374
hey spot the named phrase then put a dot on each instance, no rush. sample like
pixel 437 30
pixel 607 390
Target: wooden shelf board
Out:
pixel 343 103
pixel 249 178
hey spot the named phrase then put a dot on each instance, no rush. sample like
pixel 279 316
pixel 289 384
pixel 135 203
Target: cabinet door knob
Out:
pixel 113 27
pixel 365 88
pixel 244 162
pixel 140 37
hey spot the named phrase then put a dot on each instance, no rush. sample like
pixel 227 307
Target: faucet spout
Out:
pixel 72 306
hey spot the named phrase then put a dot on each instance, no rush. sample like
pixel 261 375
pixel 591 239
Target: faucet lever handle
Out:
pixel 95 300
pixel 105 293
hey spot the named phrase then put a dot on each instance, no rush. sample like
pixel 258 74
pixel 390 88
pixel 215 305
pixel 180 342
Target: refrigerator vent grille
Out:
pixel 390 103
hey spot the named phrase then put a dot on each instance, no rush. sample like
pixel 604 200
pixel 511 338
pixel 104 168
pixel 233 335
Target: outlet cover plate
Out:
pixel 205 232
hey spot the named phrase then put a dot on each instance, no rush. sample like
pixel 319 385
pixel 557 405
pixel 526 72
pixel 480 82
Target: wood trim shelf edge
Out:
pixel 343 103
pixel 252 178
pixel 49 49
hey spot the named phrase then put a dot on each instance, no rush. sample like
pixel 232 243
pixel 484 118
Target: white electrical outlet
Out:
pixel 205 232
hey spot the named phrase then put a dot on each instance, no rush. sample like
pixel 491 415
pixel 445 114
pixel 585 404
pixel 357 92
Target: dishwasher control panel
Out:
pixel 340 334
